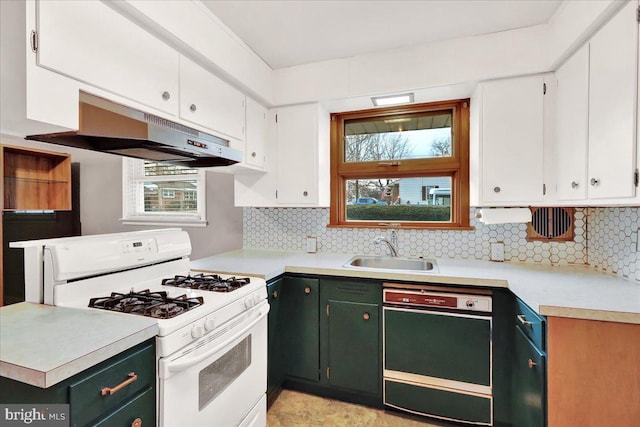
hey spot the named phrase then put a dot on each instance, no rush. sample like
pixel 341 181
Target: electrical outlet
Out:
pixel 312 244
pixel 638 240
pixel 497 251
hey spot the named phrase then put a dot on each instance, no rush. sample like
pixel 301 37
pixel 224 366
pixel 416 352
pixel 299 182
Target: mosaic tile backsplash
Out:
pixel 605 238
pixel 612 236
pixel 287 228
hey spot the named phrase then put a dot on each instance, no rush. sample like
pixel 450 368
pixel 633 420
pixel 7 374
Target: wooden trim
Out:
pixel 593 373
pixel 456 166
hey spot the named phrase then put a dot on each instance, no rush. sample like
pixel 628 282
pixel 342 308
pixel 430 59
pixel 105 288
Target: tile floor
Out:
pixel 295 409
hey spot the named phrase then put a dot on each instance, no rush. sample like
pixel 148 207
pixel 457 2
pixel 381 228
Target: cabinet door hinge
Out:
pixel 34 41
pixel 276 118
pixel 327 310
pixel 544 88
pixel 636 178
pixel 276 194
pixel 328 373
pixel 544 189
pixel 638 14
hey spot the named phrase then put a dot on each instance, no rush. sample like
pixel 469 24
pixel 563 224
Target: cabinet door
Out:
pixel 529 373
pixel 275 370
pixel 256 135
pixel 354 350
pixel 572 115
pixel 301 337
pixel 208 101
pixel 512 140
pixel 613 87
pixel 296 134
pixel 91 42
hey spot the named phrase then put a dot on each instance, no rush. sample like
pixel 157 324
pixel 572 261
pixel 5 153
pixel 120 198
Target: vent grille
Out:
pixel 551 224
pixel 158 121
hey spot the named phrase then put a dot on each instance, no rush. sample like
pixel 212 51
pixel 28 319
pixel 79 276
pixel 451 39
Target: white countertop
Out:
pixel 565 291
pixel 42 345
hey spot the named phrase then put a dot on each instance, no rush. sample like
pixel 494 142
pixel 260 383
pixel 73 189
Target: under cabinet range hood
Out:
pixel 113 128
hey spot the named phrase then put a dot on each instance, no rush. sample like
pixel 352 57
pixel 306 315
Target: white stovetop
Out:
pixel 569 291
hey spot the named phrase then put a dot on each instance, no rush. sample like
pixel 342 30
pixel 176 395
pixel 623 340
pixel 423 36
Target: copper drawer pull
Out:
pixel 137 423
pixel 366 316
pixel 531 363
pixel 108 390
pixel 524 320
pixel 307 290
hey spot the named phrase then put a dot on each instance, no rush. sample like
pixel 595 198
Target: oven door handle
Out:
pixel 180 366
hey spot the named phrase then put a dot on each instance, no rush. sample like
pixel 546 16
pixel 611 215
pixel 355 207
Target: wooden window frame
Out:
pixel 456 166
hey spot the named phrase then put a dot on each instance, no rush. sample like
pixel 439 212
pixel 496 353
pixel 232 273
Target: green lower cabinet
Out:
pixel 299 320
pixel 438 403
pixel 275 373
pixel 528 383
pixel 354 346
pixel 82 392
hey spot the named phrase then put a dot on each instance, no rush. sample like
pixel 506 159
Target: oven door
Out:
pixel 219 379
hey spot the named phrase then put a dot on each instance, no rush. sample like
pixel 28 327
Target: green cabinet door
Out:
pixel 354 348
pixel 275 370
pixel 299 317
pixel 528 383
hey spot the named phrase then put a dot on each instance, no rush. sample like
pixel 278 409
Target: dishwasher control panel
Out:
pixel 423 298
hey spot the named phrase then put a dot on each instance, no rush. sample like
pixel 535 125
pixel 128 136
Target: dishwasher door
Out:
pixel 438 363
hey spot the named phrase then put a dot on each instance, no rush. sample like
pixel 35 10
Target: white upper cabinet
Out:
pixel 572 111
pixel 210 102
pixel 613 88
pixel 255 152
pixel 507 146
pixel 90 42
pixel 302 139
pixel 596 116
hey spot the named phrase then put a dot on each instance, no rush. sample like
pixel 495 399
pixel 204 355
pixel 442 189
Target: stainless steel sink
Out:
pixel 393 263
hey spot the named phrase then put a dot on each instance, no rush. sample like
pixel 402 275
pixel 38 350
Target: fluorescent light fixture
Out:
pixel 383 101
pixel 400 120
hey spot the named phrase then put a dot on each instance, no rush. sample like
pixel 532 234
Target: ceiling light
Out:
pixel 401 120
pixel 383 101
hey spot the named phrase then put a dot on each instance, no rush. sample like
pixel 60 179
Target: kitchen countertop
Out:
pixel 576 291
pixel 29 334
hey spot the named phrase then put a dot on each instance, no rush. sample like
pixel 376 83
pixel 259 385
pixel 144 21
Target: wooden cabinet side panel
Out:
pixel 593 373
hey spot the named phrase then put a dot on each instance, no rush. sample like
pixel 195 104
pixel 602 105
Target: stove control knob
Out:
pixel 256 298
pixel 197 332
pixel 248 302
pixel 470 303
pixel 209 324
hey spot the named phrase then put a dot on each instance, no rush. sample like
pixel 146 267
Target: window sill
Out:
pixel 165 222
pixel 404 226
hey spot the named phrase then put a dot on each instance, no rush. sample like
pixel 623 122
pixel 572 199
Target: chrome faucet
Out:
pixel 392 245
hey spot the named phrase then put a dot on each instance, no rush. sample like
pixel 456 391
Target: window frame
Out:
pixel 456 166
pixel 134 215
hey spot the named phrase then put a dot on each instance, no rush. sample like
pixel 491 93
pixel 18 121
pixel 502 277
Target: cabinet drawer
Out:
pixel 362 291
pixel 142 407
pixel 531 324
pixel 85 396
pixel 438 403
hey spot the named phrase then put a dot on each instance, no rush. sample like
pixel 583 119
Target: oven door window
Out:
pixel 216 377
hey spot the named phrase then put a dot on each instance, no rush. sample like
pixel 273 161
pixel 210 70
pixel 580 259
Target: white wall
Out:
pixel 101 201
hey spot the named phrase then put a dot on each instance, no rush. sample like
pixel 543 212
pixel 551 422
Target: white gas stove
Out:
pixel 212 344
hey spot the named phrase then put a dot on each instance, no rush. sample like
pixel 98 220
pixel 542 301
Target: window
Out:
pixel 162 194
pixel 405 166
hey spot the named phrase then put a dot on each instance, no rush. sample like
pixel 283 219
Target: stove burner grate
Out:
pixel 146 303
pixel 207 282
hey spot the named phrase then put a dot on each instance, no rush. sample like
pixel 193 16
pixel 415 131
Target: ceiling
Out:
pixel 294 32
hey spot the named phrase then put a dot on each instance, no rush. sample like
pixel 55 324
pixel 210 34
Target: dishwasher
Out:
pixel 437 350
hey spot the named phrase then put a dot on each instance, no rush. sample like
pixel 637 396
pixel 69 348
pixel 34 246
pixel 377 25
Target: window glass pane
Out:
pixel 408 137
pixel 399 199
pixel 159 169
pixel 170 196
